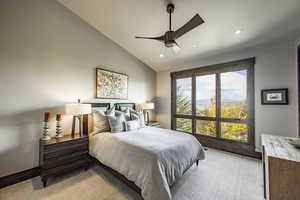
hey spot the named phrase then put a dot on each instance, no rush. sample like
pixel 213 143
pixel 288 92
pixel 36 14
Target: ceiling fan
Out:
pixel 170 36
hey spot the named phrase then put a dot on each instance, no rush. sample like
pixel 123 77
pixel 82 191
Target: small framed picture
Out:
pixel 275 96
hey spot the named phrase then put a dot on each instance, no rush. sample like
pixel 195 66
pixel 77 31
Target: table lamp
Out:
pixel 78 110
pixel 146 107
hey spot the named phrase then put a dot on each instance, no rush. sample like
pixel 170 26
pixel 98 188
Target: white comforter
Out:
pixel 153 158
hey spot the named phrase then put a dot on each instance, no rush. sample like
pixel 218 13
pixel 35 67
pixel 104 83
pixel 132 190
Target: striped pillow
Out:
pixel 101 123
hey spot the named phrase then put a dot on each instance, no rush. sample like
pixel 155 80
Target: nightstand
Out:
pixel 59 156
pixel 153 124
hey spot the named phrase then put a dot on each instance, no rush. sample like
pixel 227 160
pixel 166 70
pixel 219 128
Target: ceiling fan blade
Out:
pixel 160 38
pixel 193 23
pixel 176 48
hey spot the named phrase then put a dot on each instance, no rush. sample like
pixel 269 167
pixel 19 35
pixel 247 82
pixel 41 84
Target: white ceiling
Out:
pixel 121 20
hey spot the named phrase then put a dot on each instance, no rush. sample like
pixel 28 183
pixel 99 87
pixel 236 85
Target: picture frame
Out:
pixel 111 85
pixel 275 96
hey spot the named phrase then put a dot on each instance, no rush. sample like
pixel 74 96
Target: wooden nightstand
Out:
pixel 58 156
pixel 153 124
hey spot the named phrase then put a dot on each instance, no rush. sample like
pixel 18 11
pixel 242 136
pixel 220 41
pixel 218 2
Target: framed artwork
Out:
pixel 275 96
pixel 111 85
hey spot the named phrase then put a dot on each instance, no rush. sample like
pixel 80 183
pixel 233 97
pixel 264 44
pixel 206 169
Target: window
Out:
pixel 184 96
pixel 215 103
pixel 184 125
pixel 206 95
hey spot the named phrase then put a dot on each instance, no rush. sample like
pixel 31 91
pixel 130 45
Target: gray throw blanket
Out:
pixel 153 158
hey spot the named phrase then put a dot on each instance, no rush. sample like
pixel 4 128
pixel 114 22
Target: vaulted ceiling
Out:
pixel 122 20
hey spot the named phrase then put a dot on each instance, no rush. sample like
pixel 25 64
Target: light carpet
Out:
pixel 222 176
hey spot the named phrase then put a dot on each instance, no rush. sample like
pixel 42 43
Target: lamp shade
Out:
pixel 78 109
pixel 147 106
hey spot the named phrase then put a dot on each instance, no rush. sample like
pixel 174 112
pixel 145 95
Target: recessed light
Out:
pixel 194 45
pixel 237 32
pixel 161 55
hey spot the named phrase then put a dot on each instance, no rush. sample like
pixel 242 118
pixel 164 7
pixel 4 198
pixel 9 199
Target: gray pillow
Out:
pixel 116 123
pixel 111 111
pixel 101 123
pixel 138 115
pixel 132 125
pixel 126 114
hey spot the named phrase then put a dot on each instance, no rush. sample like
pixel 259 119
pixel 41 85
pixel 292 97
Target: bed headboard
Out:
pixel 123 106
pixel 87 119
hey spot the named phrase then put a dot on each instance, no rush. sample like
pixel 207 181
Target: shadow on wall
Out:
pixel 154 112
pixel 161 107
pixel 19 139
pixel 163 111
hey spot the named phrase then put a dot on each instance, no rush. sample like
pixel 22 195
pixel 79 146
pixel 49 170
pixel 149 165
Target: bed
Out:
pixel 150 159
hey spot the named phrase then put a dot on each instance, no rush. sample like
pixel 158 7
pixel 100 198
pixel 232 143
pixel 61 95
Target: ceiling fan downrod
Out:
pixel 170 10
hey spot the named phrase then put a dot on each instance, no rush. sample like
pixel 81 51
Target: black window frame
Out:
pixel 245 148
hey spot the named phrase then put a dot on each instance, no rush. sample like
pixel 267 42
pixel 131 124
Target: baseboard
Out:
pixel 256 155
pixel 229 146
pixel 19 177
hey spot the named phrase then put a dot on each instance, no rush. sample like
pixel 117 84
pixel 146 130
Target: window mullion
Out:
pixel 218 105
pixel 193 103
pixel 173 103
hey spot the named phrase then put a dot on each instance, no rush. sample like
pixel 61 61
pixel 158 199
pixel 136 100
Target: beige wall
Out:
pixel 275 68
pixel 48 58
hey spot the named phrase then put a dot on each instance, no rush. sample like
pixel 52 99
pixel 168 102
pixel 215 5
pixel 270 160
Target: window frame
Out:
pixel 245 148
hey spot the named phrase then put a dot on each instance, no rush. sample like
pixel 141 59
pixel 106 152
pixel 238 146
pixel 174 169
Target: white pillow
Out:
pixel 132 125
pixel 138 115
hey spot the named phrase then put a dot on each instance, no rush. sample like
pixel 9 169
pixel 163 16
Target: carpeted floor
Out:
pixel 222 176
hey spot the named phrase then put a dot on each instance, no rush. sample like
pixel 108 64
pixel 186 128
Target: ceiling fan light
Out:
pixel 169 44
pixel 237 32
pixel 175 48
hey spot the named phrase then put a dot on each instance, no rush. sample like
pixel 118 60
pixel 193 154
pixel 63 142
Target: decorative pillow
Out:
pixel 126 114
pixel 132 125
pixel 123 108
pixel 103 109
pixel 111 111
pixel 116 122
pixel 101 123
pixel 138 115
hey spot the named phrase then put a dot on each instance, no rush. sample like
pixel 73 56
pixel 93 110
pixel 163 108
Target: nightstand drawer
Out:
pixel 65 168
pixel 62 145
pixel 55 162
pixel 66 151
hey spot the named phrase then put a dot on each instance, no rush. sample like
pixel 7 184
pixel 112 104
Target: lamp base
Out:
pixel 79 117
pixel 147 118
pixel 46 138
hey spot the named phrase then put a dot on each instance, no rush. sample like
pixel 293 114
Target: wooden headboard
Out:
pixel 123 106
pixel 87 119
pixel 86 122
